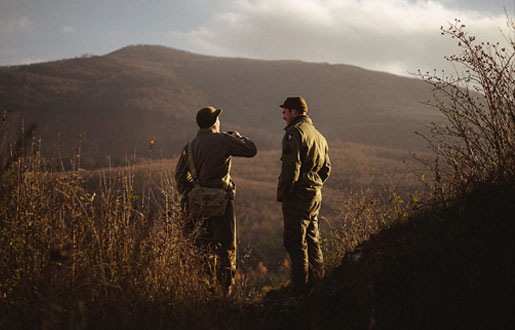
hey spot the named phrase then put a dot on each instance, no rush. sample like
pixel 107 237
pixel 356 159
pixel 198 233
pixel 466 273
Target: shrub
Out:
pixel 477 143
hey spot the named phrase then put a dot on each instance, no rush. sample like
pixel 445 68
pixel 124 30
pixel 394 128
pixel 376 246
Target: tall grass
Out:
pixel 362 214
pixel 109 248
pixel 116 255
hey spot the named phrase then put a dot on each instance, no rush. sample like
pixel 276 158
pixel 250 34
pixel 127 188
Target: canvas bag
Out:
pixel 205 201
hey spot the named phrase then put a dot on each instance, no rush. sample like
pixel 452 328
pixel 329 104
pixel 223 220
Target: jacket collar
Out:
pixel 204 131
pixel 298 119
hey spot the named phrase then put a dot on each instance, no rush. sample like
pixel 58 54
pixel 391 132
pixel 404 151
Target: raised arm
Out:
pixel 240 146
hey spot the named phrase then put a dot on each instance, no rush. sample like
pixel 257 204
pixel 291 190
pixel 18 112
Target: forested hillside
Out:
pixel 115 104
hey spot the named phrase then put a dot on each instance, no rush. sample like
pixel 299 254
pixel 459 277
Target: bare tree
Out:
pixel 476 144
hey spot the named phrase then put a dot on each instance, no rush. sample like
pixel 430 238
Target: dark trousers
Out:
pixel 301 238
pixel 218 235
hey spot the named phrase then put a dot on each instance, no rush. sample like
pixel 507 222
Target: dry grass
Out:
pixel 107 248
pixel 72 256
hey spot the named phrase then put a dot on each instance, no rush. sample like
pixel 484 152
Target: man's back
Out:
pixel 212 153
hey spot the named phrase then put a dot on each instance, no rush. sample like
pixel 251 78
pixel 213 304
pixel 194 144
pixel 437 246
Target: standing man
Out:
pixel 211 153
pixel 305 168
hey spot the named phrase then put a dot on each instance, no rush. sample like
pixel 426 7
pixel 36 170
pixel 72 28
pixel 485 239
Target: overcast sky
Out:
pixel 398 36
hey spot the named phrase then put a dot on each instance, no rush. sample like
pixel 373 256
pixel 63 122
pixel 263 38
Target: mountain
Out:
pixel 116 103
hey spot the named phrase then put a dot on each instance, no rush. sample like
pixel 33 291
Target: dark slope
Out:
pixel 116 105
pixel 451 267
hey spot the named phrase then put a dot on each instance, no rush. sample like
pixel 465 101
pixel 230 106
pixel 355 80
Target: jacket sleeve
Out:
pixel 291 163
pixel 241 146
pixel 183 178
pixel 326 168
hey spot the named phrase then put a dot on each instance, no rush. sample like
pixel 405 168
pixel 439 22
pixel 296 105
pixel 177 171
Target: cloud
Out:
pixel 12 25
pixel 26 61
pixel 398 36
pixel 68 29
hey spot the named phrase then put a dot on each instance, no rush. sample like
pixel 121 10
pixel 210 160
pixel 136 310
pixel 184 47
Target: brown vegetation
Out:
pixel 72 256
pixel 477 145
pixel 107 249
pixel 80 246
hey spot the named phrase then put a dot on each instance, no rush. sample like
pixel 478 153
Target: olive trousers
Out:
pixel 218 234
pixel 301 238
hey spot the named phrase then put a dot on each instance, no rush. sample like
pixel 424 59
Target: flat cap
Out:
pixel 295 102
pixel 207 116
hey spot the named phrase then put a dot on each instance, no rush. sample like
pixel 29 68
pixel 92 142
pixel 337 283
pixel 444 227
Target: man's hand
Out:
pixel 236 134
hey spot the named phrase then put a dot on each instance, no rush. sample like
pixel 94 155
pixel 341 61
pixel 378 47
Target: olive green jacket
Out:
pixel 212 154
pixel 305 162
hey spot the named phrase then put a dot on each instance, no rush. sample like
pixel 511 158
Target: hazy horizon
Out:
pixel 396 36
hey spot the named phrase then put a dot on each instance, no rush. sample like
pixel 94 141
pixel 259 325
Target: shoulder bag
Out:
pixel 204 201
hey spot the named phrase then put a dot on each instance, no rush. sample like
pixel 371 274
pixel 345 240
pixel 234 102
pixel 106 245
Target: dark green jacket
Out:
pixel 212 154
pixel 305 162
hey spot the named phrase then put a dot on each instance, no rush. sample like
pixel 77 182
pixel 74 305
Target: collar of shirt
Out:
pixel 299 118
pixel 204 131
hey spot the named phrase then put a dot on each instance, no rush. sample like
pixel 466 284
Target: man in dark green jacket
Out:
pixel 305 168
pixel 212 152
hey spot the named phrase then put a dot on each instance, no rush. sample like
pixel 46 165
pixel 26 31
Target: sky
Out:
pixel 396 36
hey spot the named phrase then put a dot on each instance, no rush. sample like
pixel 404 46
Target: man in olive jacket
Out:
pixel 305 168
pixel 212 152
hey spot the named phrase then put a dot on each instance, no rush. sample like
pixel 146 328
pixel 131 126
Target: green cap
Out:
pixel 295 102
pixel 207 116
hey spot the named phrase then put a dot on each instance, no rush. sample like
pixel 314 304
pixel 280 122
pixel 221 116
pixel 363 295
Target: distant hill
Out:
pixel 123 99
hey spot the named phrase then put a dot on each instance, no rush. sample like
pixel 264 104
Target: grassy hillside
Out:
pixel 114 104
pixel 355 167
pixel 81 246
pixel 447 267
pixel 90 245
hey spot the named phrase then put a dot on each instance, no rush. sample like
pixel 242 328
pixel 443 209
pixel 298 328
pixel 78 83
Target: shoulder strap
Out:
pixel 191 165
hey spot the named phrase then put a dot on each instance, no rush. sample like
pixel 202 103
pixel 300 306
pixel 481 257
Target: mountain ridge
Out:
pixel 123 99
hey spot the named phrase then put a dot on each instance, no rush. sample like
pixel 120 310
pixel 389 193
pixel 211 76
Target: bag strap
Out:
pixel 191 165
